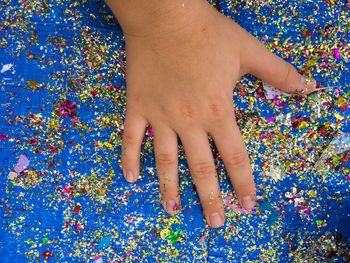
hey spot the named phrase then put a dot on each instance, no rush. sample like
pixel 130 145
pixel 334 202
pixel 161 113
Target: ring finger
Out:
pixel 231 147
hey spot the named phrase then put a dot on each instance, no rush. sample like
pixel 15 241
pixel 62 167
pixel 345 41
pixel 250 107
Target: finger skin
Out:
pixel 231 147
pixel 203 172
pixel 134 130
pixel 166 157
pixel 256 59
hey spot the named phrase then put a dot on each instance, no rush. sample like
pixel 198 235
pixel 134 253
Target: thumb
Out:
pixel 257 60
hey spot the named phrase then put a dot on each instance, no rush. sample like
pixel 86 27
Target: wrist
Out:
pixel 142 18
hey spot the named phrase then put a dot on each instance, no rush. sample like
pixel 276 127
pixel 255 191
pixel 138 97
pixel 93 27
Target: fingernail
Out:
pixel 215 220
pixel 248 202
pixel 129 176
pixel 170 206
pixel 308 84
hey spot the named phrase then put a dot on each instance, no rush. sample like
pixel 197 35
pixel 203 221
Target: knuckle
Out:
pixel 132 98
pixel 187 113
pixel 288 77
pixel 164 159
pixel 218 107
pixel 129 138
pixel 213 200
pixel 237 159
pixel 202 170
pixel 246 188
pixel 217 110
pixel 134 103
pixel 169 190
pixel 126 163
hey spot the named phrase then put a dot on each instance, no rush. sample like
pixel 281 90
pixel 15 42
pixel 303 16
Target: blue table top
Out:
pixel 63 197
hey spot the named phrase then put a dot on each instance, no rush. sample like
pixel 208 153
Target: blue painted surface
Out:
pixel 127 227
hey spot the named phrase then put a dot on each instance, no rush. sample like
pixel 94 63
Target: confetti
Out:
pixel 235 207
pixel 33 84
pixel 6 67
pixel 272 92
pixel 340 144
pixel 12 175
pixel 22 163
pixel 62 111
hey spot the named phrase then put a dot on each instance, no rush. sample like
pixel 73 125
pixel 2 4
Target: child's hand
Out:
pixel 183 60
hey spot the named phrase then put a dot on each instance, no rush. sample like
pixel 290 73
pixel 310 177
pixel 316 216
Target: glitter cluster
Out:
pixel 63 197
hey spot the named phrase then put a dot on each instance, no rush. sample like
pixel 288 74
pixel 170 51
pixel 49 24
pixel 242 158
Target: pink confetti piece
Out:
pixel 90 65
pixel 279 103
pixel 336 54
pixel 271 119
pixel 235 207
pixel 22 163
pixel 12 175
pixel 202 239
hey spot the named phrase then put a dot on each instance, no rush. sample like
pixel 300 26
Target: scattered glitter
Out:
pixel 63 68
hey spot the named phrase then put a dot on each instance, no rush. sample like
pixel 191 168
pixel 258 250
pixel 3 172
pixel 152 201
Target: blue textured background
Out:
pixel 30 213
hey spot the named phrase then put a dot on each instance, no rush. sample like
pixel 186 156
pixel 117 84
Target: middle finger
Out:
pixel 202 167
